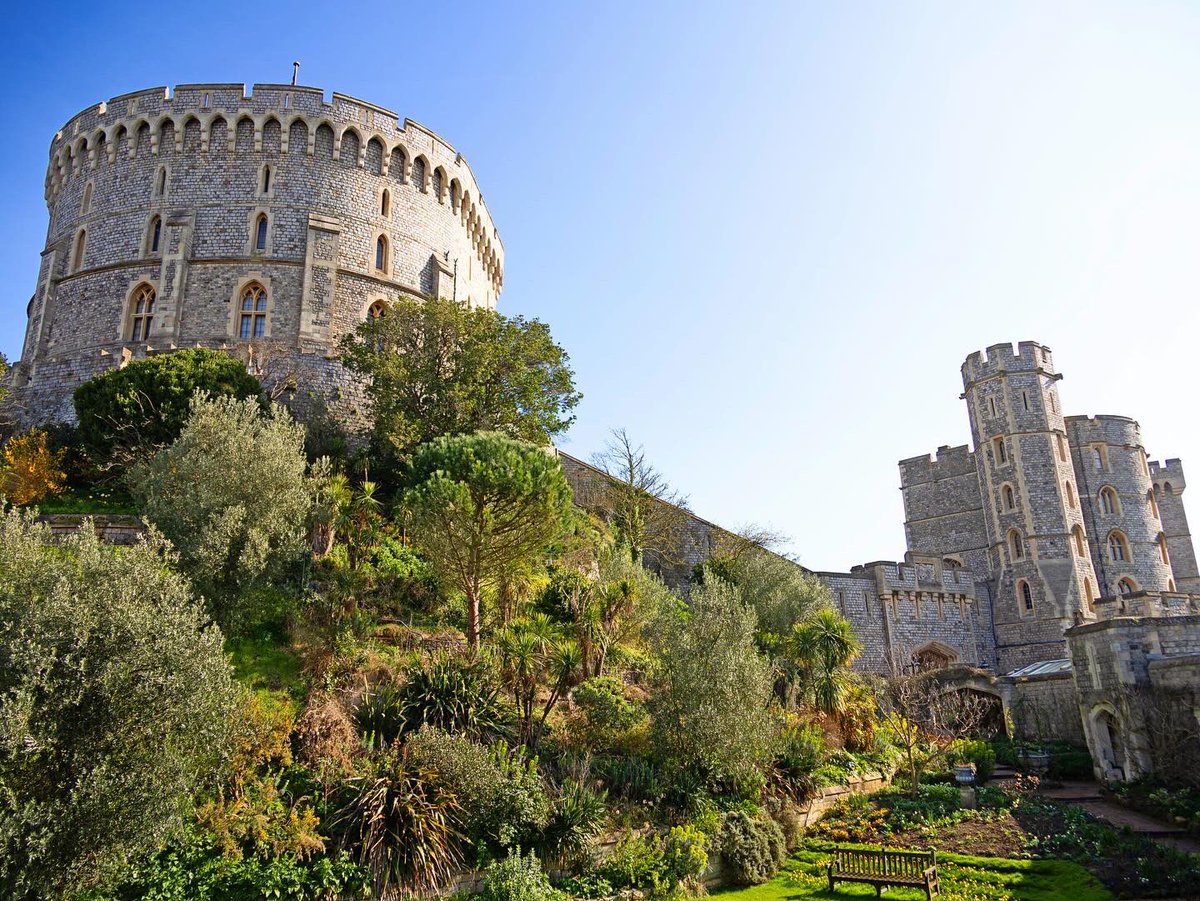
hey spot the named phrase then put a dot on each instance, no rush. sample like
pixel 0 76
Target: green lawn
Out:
pixel 962 879
pixel 265 664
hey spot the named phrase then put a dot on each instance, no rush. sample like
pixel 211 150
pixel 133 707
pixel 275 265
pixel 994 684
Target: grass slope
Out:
pixel 962 878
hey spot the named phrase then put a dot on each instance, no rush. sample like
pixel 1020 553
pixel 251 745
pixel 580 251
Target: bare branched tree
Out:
pixel 648 515
pixel 925 714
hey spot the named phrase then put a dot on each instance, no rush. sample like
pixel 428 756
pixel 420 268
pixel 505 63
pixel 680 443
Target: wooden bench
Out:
pixel 885 868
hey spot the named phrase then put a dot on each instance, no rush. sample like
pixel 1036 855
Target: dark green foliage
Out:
pixel 932 802
pixel 435 367
pixel 752 850
pixel 800 755
pixel 482 505
pixel 978 752
pixel 115 706
pixel 605 711
pixel 517 878
pixel 555 599
pixel 587 885
pixel 501 792
pixel 145 403
pixel 400 820
pixel 197 868
pixel 577 817
pixel 1071 763
pixel 380 714
pixel 455 694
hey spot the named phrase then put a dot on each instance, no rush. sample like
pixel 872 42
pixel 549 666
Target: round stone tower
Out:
pixel 268 223
pixel 1041 569
pixel 1169 484
pixel 1129 548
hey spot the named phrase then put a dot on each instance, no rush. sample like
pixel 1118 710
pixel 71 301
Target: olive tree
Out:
pixel 712 705
pixel 232 495
pixel 115 703
pixel 481 504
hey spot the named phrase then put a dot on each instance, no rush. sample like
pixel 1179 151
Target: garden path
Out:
pixel 1087 796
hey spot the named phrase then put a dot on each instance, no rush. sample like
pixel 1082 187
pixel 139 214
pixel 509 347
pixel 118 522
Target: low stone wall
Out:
pixel 807 814
pixel 830 795
pixel 111 528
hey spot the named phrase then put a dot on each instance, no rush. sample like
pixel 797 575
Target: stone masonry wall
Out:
pixel 194 171
pixel 943 513
pixel 1115 491
pixel 1169 484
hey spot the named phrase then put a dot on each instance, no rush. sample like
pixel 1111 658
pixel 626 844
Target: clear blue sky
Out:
pixel 767 233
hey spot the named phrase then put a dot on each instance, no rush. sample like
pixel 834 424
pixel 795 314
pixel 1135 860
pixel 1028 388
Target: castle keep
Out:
pixel 1050 561
pixel 266 222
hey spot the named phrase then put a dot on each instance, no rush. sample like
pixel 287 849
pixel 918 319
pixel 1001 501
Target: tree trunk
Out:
pixel 473 617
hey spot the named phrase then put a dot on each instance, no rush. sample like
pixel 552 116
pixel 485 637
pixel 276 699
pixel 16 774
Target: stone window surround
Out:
pixel 127 308
pixel 252 224
pixel 235 303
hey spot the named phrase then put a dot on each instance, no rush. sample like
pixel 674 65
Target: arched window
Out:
pixel 1016 545
pixel 1009 500
pixel 437 183
pixel 455 196
pixel 1162 549
pixel 160 183
pixel 1026 594
pixel 1080 541
pixel 79 251
pixel 1062 446
pixel 154 235
pixel 266 180
pixel 1153 502
pixel 141 313
pixel 1098 458
pixel 1171 585
pixel 86 203
pixel 1089 595
pixel 381 253
pixel 418 173
pixel 375 315
pixel 385 203
pixel 1118 547
pixel 1110 504
pixel 1070 492
pixel 1126 587
pixel 1167 489
pixel 260 232
pixel 1001 451
pixel 253 312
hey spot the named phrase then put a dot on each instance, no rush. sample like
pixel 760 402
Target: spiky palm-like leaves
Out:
pixel 531 651
pixel 578 816
pixel 404 824
pixel 824 646
pixel 453 694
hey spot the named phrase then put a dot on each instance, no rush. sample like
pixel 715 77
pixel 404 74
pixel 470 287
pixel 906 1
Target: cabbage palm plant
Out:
pixel 823 647
pixel 403 823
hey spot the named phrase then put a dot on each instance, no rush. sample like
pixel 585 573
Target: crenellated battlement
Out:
pixel 404 149
pixel 950 462
pixel 1168 472
pixel 1103 429
pixel 1029 356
